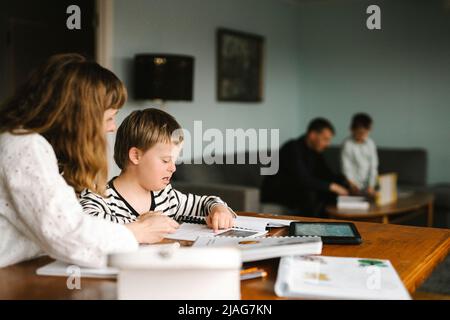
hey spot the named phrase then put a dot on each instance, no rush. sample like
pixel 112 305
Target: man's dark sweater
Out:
pixel 303 180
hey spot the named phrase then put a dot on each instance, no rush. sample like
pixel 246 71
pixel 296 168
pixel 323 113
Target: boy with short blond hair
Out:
pixel 148 143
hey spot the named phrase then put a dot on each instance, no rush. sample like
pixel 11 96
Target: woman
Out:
pixel 53 145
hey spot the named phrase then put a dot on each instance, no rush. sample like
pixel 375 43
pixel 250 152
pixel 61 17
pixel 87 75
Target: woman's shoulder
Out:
pixel 10 141
pixel 14 147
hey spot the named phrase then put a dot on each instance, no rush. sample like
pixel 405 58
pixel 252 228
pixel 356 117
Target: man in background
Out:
pixel 304 182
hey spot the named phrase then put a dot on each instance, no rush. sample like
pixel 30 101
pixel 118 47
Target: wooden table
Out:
pixel 413 251
pixel 405 208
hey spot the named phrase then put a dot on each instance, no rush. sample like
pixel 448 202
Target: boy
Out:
pixel 359 156
pixel 146 148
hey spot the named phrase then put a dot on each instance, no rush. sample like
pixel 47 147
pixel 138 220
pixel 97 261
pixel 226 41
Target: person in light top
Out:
pixel 52 146
pixel 359 157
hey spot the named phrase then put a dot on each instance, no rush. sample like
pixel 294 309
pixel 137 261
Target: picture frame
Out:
pixel 240 58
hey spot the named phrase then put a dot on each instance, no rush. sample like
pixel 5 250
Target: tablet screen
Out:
pixel 323 230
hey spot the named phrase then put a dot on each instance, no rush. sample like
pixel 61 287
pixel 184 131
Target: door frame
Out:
pixel 104 41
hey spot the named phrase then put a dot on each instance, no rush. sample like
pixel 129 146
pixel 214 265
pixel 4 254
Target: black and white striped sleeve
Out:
pixel 175 203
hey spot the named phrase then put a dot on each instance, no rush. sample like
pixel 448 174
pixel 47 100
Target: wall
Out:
pixel 399 74
pixel 188 27
pixel 320 61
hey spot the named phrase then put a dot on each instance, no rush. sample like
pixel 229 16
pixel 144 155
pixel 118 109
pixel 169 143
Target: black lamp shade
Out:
pixel 163 76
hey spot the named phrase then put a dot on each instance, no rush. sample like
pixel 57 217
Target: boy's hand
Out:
pixel 220 218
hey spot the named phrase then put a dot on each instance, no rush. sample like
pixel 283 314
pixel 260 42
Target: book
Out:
pixel 193 227
pixel 265 248
pixel 320 277
pixel 353 203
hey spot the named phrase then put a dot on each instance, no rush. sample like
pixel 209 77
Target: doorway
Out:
pixel 34 30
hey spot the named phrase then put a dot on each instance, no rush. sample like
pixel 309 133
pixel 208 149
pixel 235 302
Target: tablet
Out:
pixel 330 232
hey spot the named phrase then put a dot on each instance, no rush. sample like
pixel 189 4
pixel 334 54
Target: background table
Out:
pixel 413 251
pixel 405 208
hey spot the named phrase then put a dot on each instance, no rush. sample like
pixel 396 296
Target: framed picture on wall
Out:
pixel 239 66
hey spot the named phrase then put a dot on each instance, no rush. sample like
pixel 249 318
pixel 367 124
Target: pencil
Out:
pixel 249 270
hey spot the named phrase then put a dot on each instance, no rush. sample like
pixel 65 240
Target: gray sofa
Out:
pixel 236 184
pixel 239 184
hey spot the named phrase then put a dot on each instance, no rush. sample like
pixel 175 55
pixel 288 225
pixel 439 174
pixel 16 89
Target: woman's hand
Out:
pixel 220 217
pixel 152 227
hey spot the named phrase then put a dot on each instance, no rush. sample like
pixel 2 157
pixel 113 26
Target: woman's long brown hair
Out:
pixel 64 100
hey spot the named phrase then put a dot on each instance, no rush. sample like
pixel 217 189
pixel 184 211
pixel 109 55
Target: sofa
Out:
pixel 239 184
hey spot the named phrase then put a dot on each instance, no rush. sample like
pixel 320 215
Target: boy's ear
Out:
pixel 134 155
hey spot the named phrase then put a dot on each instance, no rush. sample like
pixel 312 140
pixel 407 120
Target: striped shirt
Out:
pixel 113 207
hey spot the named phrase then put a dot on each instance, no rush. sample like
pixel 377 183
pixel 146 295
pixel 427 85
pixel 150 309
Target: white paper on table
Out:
pixel 191 231
pixel 256 223
pixel 63 269
pixel 338 278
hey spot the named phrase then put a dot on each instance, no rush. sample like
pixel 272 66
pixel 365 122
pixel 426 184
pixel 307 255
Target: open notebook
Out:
pixel 193 227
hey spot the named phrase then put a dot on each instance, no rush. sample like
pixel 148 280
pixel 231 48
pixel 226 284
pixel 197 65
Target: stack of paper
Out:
pixel 261 224
pixel 338 278
pixel 352 203
pixel 62 269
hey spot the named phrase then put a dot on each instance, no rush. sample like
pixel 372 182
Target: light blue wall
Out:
pixel 399 74
pixel 189 27
pixel 320 61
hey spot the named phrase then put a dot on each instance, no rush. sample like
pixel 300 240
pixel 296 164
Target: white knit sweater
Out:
pixel 40 213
